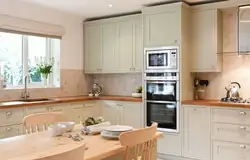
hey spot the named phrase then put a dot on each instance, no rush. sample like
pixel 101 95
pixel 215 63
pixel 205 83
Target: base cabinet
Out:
pixel 169 144
pixel 11 131
pixel 196 132
pixel 230 151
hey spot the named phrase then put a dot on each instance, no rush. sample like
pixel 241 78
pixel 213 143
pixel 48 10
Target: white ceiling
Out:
pixel 97 8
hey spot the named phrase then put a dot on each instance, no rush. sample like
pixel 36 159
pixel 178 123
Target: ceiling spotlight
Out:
pixel 110 5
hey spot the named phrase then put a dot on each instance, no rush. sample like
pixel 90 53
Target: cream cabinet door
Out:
pixel 65 109
pixel 230 151
pixel 138 47
pixel 125 46
pixel 91 109
pixel 93 49
pixel 77 113
pixel 35 110
pixel 196 132
pixel 207 40
pixel 162 29
pixel 109 47
pixel 132 114
pixel 111 112
pixel 11 131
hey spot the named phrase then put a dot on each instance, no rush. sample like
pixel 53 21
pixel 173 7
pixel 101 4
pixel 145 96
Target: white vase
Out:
pixel 45 79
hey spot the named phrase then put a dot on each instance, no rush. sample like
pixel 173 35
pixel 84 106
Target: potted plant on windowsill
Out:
pixel 45 68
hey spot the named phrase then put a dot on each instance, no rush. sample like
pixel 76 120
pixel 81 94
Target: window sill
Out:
pixel 32 87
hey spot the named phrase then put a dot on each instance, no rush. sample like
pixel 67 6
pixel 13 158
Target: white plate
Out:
pixel 119 128
pixel 109 135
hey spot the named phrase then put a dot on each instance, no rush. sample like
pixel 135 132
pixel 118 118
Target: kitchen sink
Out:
pixel 35 100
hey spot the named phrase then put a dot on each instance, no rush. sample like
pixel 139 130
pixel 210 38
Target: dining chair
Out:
pixel 75 154
pixel 140 144
pixel 40 121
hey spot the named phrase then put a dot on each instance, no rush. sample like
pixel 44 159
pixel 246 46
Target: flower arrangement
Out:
pixel 45 65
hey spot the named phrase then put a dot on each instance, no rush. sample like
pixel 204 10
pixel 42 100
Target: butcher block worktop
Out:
pixel 17 104
pixel 215 103
pixel 38 145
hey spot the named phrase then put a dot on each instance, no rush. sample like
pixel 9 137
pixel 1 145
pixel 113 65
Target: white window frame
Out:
pixel 25 57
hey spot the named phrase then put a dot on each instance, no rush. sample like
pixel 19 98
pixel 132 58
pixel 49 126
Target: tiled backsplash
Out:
pixel 73 83
pixel 119 84
pixel 235 68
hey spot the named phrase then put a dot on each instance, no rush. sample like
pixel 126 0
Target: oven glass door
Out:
pixel 161 90
pixel 157 60
pixel 165 114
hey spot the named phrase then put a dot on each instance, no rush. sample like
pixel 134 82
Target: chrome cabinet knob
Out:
pixel 243 146
pixel 8 114
pixel 242 113
pixel 243 127
pixel 8 129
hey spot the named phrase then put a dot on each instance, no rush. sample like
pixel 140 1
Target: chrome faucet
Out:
pixel 25 95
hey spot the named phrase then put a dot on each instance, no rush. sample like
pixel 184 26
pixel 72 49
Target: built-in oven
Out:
pixel 162 86
pixel 161 59
pixel 166 114
pixel 162 95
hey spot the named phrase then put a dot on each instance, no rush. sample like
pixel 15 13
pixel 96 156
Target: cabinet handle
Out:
pixel 175 41
pixel 242 127
pixel 8 114
pixel 9 129
pixel 242 113
pixel 243 146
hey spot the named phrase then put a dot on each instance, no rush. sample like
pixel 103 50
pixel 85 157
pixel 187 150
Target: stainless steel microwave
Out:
pixel 161 59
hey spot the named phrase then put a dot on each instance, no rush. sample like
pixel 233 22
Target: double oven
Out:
pixel 162 88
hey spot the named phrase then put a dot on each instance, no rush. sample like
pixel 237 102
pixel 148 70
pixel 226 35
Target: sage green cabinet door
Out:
pixel 93 47
pixel 109 47
pixel 138 46
pixel 162 29
pixel 125 46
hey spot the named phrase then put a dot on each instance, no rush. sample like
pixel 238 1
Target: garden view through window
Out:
pixel 20 56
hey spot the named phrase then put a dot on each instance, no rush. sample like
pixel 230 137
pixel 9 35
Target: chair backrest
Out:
pixel 75 154
pixel 40 122
pixel 141 144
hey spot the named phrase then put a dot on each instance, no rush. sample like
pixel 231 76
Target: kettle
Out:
pixel 96 88
pixel 233 90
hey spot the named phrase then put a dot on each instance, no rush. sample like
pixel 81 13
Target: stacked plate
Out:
pixel 113 132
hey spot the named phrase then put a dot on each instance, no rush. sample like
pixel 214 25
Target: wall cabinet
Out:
pixel 93 48
pixel 207 40
pixel 162 29
pixel 119 46
pixel 196 132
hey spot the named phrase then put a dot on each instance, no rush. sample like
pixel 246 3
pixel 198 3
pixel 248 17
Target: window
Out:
pixel 18 58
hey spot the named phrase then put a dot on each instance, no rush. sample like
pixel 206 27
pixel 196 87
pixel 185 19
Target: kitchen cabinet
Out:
pixel 196 132
pixel 35 110
pixel 169 144
pixel 11 116
pixel 93 49
pixel 162 29
pixel 123 113
pixel 111 112
pixel 132 114
pixel 207 40
pixel 230 151
pixel 114 45
pixel 130 47
pixel 81 111
pixel 11 131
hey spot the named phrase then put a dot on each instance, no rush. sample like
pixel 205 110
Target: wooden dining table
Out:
pixel 33 146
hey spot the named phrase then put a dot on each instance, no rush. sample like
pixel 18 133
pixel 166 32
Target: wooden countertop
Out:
pixel 215 103
pixel 17 104
pixel 37 145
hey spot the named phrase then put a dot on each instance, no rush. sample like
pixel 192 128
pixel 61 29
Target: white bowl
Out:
pixel 137 95
pixel 69 125
pixel 91 95
pixel 57 129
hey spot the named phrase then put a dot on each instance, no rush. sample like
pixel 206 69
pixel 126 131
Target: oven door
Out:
pixel 162 90
pixel 166 114
pixel 157 60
